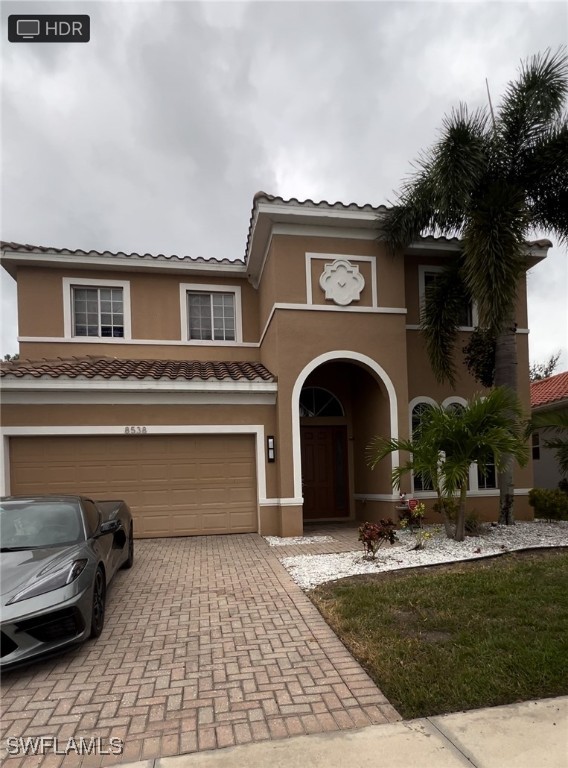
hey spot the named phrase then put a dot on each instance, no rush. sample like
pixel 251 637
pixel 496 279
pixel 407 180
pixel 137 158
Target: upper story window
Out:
pixel 211 316
pixel 96 309
pixel 428 278
pixel 98 312
pixel 210 313
pixel 535 446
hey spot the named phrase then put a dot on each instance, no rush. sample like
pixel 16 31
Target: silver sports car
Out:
pixel 58 555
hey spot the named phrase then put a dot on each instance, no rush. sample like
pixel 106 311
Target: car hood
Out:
pixel 18 569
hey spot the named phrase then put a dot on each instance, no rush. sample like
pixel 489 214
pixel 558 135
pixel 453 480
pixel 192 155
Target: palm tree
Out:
pixel 488 430
pixel 492 179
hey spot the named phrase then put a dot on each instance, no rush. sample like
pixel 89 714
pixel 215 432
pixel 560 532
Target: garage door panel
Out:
pixel 175 485
pixel 241 496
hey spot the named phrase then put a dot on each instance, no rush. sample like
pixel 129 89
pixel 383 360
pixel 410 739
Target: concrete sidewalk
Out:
pixel 533 734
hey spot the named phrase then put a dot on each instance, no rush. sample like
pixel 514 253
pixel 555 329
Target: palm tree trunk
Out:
pixel 506 376
pixel 443 511
pixel 460 522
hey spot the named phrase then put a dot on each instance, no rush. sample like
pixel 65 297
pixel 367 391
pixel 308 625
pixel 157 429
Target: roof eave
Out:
pixel 562 402
pixel 10 260
pixel 63 383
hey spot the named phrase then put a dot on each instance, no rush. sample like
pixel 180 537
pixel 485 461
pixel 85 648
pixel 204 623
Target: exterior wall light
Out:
pixel 270 448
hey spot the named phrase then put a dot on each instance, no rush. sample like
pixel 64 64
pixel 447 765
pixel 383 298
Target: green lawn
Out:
pixel 460 636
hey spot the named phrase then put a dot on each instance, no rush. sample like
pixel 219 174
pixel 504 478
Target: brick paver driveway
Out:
pixel 208 643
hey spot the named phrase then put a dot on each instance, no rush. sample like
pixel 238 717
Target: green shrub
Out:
pixel 473 525
pixel 450 506
pixel 549 504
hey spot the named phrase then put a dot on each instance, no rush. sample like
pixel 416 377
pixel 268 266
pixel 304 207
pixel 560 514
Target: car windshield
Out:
pixel 30 523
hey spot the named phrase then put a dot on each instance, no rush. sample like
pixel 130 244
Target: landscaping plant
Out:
pixel 549 504
pixel 489 429
pixel 374 535
pixel 412 518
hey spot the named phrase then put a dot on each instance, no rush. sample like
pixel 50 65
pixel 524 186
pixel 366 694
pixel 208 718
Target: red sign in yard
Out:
pixel 412 504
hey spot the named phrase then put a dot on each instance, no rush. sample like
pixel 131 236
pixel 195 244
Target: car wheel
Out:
pixel 129 562
pixel 99 596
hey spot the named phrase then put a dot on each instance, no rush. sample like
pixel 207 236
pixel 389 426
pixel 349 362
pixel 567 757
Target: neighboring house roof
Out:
pixel 548 391
pixel 113 368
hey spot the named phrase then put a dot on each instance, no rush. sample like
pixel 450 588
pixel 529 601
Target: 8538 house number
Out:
pixel 135 431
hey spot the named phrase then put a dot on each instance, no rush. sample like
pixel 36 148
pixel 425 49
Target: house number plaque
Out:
pixel 135 431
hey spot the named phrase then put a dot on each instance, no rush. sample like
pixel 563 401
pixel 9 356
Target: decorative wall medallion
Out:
pixel 342 282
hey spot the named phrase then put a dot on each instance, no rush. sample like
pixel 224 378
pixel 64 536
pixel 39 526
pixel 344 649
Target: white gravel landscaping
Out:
pixel 277 541
pixel 310 570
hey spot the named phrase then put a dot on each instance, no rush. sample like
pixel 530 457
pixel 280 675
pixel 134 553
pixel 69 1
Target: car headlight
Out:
pixel 55 580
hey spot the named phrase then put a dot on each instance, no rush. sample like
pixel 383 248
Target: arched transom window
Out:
pixel 315 401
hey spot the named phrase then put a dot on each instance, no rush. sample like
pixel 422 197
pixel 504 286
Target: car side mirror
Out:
pixel 111 526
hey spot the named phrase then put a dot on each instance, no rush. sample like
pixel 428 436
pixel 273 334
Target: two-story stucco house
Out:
pixel 232 396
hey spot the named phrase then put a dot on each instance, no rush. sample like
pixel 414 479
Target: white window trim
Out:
pixel 185 288
pixel 422 269
pixel 411 406
pixel 81 282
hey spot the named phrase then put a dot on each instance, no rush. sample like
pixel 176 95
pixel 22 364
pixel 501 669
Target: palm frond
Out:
pixel 544 174
pixel 444 302
pixel 433 199
pixel 532 101
pixel 460 160
pixel 551 419
pixel 380 447
pixel 494 252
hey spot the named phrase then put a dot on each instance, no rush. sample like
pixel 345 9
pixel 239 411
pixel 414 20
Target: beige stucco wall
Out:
pixel 303 336
pixel 484 508
pixel 145 415
pixel 155 314
pixel 284 274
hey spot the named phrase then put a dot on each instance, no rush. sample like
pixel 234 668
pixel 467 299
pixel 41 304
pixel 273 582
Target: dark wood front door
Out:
pixel 324 472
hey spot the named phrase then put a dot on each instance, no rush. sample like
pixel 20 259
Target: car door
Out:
pixel 102 545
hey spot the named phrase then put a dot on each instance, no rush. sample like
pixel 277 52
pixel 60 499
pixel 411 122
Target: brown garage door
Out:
pixel 176 485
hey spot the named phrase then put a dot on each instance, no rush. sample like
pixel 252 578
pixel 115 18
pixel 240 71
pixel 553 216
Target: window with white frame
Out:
pixel 428 278
pixel 211 316
pixel 98 311
pixel 418 412
pixel 210 313
pixel 487 479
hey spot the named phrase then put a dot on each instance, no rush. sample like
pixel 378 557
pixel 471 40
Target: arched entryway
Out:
pixel 341 400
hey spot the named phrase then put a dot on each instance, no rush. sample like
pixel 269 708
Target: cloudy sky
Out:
pixel 155 136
